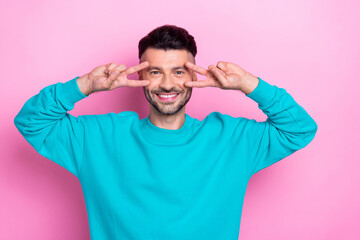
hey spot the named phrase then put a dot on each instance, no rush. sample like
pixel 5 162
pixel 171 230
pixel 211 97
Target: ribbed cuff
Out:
pixel 263 93
pixel 70 93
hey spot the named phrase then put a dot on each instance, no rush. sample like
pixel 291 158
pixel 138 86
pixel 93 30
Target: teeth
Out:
pixel 168 96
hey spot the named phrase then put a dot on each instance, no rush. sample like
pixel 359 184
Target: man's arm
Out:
pixel 54 133
pixel 288 127
pixel 45 124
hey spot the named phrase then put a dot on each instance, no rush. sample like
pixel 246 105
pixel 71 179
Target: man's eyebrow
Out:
pixel 159 68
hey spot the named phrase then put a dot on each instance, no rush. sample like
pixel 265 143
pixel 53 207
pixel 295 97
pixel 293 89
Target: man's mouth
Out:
pixel 166 97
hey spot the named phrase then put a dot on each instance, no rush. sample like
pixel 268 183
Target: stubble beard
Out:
pixel 167 108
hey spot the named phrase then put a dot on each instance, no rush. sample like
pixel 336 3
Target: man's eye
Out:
pixel 153 72
pixel 180 72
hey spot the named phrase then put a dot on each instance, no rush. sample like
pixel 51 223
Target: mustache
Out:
pixel 162 90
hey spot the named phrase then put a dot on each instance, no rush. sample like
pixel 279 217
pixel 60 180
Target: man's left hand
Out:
pixel 224 75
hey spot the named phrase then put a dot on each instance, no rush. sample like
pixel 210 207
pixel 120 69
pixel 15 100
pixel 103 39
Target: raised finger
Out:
pixel 137 83
pixel 197 69
pixel 136 68
pixel 199 84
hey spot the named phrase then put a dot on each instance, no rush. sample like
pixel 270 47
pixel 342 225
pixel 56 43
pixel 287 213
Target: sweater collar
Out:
pixel 162 136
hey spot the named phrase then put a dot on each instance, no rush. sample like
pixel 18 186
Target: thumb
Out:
pixel 231 67
pixel 110 66
pixel 224 66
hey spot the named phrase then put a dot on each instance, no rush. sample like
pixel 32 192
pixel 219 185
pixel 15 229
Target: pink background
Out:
pixel 309 47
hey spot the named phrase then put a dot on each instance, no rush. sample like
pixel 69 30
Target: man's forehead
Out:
pixel 166 58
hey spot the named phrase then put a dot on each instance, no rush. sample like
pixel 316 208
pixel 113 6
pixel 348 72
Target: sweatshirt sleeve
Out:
pixel 45 124
pixel 287 129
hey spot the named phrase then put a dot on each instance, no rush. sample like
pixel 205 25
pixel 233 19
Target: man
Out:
pixel 167 176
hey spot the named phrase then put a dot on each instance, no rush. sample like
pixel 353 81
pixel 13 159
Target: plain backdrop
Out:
pixel 308 47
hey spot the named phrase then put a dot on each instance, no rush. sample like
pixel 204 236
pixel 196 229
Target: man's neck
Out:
pixel 171 122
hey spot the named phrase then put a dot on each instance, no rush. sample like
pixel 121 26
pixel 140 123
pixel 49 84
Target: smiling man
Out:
pixel 169 175
pixel 167 73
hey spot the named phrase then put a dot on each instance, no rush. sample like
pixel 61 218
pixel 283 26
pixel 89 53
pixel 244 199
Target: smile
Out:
pixel 167 97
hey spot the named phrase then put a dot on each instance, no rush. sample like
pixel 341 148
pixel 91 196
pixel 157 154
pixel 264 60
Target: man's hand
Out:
pixel 110 76
pixel 225 75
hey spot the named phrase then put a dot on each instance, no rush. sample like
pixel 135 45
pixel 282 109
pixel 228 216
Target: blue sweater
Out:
pixel 144 182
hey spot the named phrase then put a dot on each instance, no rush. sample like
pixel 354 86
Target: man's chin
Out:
pixel 167 112
pixel 166 108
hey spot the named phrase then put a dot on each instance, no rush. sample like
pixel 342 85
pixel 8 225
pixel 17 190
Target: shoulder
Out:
pixel 126 115
pixel 218 117
pixel 108 119
pixel 226 125
pixel 221 121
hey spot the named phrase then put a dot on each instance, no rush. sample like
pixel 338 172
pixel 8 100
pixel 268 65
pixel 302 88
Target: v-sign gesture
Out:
pixel 110 76
pixel 225 75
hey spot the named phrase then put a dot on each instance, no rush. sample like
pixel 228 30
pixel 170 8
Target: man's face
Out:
pixel 166 92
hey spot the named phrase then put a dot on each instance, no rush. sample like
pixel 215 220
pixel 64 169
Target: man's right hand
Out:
pixel 110 76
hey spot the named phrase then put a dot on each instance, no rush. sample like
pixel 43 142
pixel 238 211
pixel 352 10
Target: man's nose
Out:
pixel 167 82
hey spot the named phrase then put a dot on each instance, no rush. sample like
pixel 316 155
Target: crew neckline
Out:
pixel 162 136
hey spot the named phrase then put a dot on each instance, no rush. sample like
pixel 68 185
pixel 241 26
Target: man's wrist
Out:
pixel 83 83
pixel 250 82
